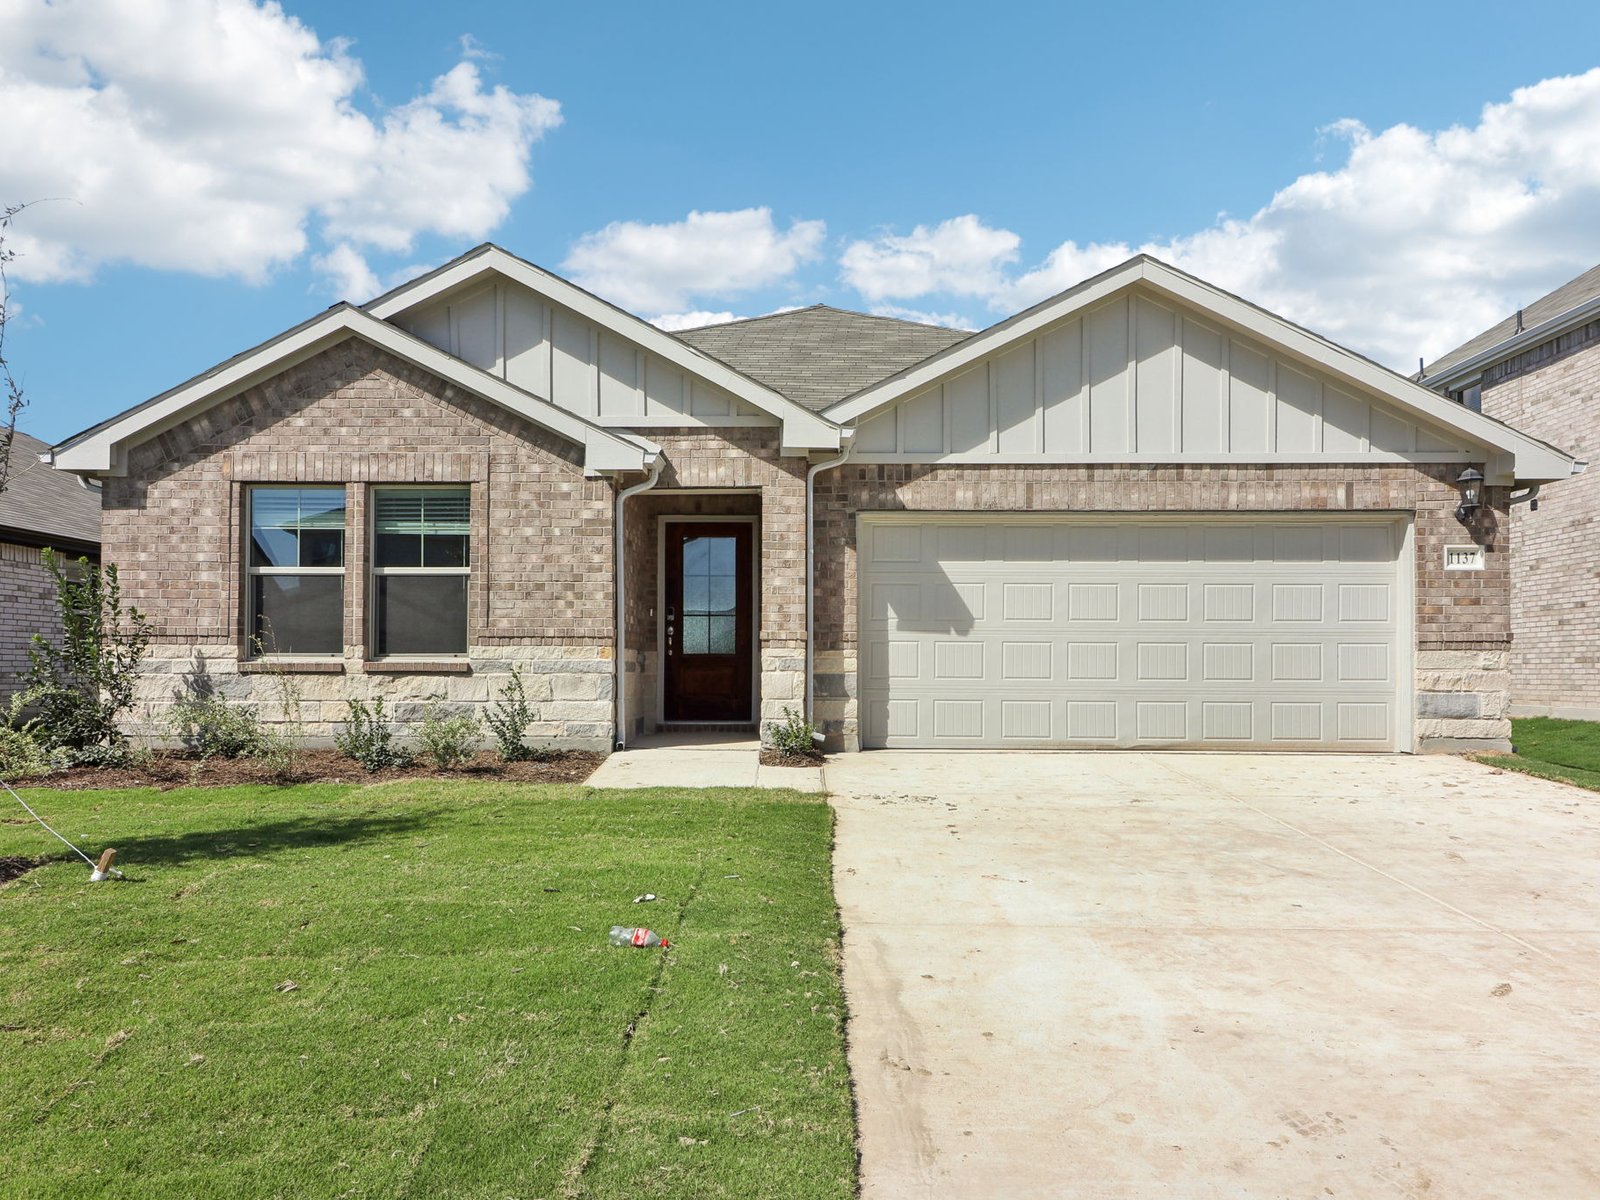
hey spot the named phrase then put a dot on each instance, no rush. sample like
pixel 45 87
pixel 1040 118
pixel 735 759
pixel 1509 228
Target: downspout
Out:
pixel 811 573
pixel 619 537
pixel 1531 494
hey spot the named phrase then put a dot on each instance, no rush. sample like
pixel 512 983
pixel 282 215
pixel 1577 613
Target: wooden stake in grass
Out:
pixel 102 869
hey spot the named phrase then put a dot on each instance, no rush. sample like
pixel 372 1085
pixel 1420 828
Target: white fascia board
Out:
pixel 103 450
pixel 1534 461
pixel 801 426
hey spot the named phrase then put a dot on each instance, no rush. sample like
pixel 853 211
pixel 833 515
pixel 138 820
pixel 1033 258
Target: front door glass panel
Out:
pixel 710 595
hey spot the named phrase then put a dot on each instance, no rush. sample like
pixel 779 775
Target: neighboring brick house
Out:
pixel 1539 369
pixel 1142 513
pixel 39 508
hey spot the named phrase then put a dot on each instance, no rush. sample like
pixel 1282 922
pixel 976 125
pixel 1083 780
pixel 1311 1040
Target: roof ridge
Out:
pixel 894 320
pixel 820 306
pixel 787 312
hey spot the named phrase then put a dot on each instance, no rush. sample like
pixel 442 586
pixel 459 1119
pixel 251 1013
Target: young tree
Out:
pixel 10 389
pixel 80 690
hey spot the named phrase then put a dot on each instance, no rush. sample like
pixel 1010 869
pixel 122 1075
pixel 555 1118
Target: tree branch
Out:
pixel 10 390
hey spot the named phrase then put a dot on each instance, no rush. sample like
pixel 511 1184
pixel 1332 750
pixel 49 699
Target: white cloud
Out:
pixel 660 268
pixel 347 274
pixel 673 322
pixel 223 137
pixel 1414 243
pixel 949 320
pixel 961 256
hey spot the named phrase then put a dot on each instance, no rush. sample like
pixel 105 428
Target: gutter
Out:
pixel 812 472
pixel 619 545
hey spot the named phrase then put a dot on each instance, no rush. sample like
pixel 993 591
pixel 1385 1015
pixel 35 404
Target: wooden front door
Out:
pixel 709 627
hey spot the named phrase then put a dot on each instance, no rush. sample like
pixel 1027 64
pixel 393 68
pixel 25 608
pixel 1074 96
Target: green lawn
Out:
pixel 1552 749
pixel 458 1025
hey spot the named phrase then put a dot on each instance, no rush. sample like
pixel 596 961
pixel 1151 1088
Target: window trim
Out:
pixel 375 572
pixel 252 649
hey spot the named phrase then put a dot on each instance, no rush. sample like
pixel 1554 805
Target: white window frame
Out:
pixel 251 570
pixel 375 572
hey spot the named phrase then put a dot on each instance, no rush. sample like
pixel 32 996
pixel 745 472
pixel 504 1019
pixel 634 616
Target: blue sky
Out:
pixel 1397 176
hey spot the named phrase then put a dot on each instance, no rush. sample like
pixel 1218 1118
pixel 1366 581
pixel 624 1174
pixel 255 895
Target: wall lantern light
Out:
pixel 1470 482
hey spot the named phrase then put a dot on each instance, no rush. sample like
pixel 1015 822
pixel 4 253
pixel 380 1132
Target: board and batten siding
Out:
pixel 551 351
pixel 1137 381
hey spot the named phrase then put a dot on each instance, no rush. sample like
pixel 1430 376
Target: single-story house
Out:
pixel 1539 369
pixel 39 508
pixel 1141 513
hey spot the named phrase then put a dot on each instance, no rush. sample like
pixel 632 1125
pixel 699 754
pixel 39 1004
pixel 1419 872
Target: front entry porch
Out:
pixel 714 612
pixel 690 758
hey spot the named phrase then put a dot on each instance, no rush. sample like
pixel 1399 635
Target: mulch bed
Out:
pixel 173 770
pixel 781 758
pixel 13 865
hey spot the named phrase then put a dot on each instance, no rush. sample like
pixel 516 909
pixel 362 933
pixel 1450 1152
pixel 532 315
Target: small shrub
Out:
pixel 213 728
pixel 368 738
pixel 283 741
pixel 509 717
pixel 280 752
pixel 21 757
pixel 447 741
pixel 104 754
pixel 792 735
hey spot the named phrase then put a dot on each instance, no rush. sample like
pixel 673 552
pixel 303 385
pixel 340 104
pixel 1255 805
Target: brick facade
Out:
pixel 540 590
pixel 1553 392
pixel 27 607
pixel 1462 618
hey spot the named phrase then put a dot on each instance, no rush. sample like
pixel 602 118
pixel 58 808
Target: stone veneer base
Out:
pixel 570 689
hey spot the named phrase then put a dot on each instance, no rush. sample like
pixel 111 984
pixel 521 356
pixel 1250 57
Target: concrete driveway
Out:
pixel 1138 975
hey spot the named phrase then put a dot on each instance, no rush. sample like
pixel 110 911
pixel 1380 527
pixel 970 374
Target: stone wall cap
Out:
pixel 290 666
pixel 416 666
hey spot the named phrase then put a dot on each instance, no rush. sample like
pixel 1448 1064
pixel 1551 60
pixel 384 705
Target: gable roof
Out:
pixel 1575 302
pixel 103 448
pixel 1518 457
pixel 39 504
pixel 802 428
pixel 819 355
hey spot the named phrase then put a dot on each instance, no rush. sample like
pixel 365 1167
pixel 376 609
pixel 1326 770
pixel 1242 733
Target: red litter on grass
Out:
pixel 623 935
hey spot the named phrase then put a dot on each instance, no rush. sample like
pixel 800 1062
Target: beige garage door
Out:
pixel 1024 631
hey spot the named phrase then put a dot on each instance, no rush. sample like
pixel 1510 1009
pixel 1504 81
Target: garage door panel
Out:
pixel 1027 661
pixel 1093 601
pixel 1232 634
pixel 1028 601
pixel 1365 662
pixel 1228 662
pixel 1161 661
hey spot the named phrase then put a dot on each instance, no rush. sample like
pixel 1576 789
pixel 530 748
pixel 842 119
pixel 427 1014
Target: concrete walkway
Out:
pixel 1131 975
pixel 694 760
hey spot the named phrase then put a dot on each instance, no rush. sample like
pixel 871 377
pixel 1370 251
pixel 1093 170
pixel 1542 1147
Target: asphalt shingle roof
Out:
pixel 1564 299
pixel 42 502
pixel 819 355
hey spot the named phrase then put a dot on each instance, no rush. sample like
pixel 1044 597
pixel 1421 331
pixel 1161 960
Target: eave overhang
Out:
pixel 103 449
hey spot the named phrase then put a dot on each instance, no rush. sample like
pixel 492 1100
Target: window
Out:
pixel 420 568
pixel 296 570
